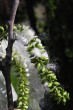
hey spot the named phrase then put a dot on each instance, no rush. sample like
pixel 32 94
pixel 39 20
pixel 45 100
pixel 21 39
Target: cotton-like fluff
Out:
pixel 29 34
pixel 38 40
pixel 45 54
pixel 4 91
pixel 24 40
pixel 25 64
pixel 4 44
pixel 14 93
pixel 46 84
pixel 28 74
pixel 34 43
pixel 24 27
pixel 36 52
pixel 40 44
pixel 27 69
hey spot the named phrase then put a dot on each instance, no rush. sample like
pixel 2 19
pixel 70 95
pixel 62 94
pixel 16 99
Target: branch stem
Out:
pixel 7 63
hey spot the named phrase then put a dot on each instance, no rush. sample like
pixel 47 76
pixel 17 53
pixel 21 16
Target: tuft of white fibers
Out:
pixel 27 69
pixel 24 26
pixel 46 84
pixel 14 93
pixel 33 43
pixel 40 44
pixel 45 54
pixel 1 89
pixel 24 40
pixel 4 91
pixel 38 40
pixel 4 82
pixel 29 34
pixel 4 44
pixel 25 64
pixel 28 74
pixel 36 52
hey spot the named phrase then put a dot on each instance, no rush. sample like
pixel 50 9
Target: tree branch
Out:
pixel 7 63
pixel 1 66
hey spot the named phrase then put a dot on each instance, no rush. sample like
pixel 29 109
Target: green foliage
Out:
pixel 33 40
pixel 4 30
pixel 23 84
pixel 1 29
pixel 40 61
pixel 18 28
pixel 55 89
pixel 35 43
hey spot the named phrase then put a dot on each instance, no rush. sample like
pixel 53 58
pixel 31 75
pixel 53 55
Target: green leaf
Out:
pixel 44 58
pixel 15 28
pixel 58 99
pixel 33 40
pixel 20 103
pixel 64 101
pixel 50 84
pixel 43 69
pixel 26 92
pixel 56 83
pixel 25 107
pixel 38 66
pixel 37 45
pixel 1 29
pixel 43 79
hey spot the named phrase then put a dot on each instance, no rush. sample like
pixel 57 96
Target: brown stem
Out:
pixel 7 64
pixel 1 66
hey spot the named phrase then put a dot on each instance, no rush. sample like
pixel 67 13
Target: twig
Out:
pixel 7 63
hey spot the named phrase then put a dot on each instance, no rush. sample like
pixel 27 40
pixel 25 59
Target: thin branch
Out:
pixel 1 66
pixel 7 63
